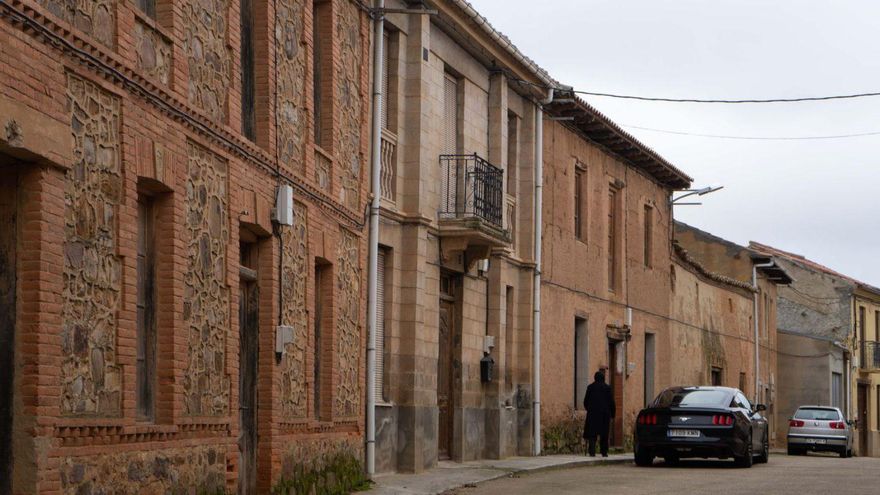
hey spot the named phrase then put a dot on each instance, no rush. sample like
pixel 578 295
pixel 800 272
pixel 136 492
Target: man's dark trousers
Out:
pixel 603 443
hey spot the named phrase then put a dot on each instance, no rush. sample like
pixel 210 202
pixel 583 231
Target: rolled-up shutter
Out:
pixel 379 394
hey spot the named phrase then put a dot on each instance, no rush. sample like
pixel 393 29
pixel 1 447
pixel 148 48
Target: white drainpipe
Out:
pixel 757 340
pixel 536 303
pixel 373 262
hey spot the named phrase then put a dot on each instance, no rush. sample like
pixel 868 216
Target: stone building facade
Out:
pixel 829 326
pixel 712 334
pixel 605 268
pixel 456 260
pixel 142 278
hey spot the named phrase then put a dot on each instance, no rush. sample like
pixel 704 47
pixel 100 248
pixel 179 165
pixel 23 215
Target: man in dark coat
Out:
pixel 599 403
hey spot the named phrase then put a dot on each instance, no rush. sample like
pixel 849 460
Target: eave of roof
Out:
pixel 598 128
pixel 804 261
pixel 686 258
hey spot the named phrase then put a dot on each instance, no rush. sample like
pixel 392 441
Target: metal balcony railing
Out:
pixel 870 355
pixel 388 172
pixel 471 187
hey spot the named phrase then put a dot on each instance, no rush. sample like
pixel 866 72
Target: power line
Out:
pixel 753 138
pixel 698 100
pixel 569 90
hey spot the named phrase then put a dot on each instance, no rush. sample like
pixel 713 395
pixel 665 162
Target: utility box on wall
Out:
pixel 487 367
pixel 284 205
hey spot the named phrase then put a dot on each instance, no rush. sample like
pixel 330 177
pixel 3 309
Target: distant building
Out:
pixel 829 328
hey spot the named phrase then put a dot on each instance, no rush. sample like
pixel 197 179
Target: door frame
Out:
pixel 8 324
pixel 450 297
pixel 249 358
pixel 615 378
pixel 863 417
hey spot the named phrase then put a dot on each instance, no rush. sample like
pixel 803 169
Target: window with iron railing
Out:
pixel 471 187
pixel 870 355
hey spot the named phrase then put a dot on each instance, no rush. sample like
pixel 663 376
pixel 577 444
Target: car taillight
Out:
pixel 796 423
pixel 838 425
pixel 722 420
pixel 647 419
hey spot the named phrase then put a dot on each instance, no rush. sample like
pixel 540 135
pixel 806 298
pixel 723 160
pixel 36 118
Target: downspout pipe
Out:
pixel 373 255
pixel 755 268
pixel 536 293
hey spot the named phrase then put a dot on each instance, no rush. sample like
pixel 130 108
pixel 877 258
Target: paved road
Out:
pixel 800 475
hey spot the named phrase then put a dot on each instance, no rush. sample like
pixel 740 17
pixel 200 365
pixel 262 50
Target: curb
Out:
pixel 506 472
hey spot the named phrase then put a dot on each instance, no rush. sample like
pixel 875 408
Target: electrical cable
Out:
pixel 701 100
pixel 755 138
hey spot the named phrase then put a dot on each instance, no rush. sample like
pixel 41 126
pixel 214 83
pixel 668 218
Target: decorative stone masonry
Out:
pixel 208 56
pixel 314 454
pixel 350 102
pixel 90 377
pixel 348 287
pixel 292 112
pixel 294 277
pixel 96 18
pixel 174 471
pixel 153 52
pixel 206 297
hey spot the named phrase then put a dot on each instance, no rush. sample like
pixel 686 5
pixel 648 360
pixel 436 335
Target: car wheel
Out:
pixel 643 457
pixel 792 451
pixel 843 453
pixel 746 460
pixel 764 456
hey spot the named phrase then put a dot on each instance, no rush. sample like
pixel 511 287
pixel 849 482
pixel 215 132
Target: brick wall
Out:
pixel 157 108
pixel 575 275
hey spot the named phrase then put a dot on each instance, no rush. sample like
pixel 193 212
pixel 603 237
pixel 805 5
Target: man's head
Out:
pixel 599 377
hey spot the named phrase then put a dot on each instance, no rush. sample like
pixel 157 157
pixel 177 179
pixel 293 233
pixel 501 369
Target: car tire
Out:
pixel 746 460
pixel 764 456
pixel 843 453
pixel 792 451
pixel 643 457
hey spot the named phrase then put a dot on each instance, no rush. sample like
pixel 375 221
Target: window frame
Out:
pixel 648 226
pixel 613 228
pixel 322 72
pixel 146 334
pixel 581 192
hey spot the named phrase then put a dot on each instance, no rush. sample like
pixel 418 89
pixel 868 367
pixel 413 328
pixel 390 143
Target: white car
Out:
pixel 819 429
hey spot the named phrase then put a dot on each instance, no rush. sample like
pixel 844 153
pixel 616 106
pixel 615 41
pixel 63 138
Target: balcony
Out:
pixel 471 210
pixel 388 172
pixel 869 356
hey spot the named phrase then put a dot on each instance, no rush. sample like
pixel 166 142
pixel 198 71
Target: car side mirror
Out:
pixel 760 407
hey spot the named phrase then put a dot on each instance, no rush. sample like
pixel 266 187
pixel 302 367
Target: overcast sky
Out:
pixel 819 198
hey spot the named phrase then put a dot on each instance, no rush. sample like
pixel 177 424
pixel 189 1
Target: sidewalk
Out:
pixel 449 475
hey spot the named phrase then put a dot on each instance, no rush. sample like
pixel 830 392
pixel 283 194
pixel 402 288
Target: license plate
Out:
pixel 817 440
pixel 683 433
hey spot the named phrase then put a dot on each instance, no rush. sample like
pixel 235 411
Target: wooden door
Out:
pixel 8 240
pixel 444 377
pixel 863 419
pixel 615 381
pixel 248 325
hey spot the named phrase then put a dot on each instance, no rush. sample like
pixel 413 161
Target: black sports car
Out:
pixel 701 422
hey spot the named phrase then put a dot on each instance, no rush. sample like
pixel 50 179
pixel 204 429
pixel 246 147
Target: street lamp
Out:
pixel 690 192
